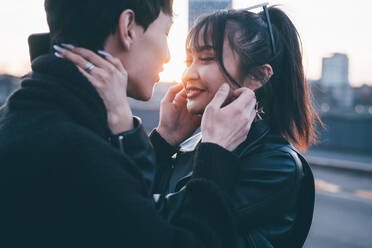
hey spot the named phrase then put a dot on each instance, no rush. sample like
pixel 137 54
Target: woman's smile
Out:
pixel 193 92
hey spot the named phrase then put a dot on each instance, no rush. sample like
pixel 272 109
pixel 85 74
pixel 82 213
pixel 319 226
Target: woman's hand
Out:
pixel 229 126
pixel 176 123
pixel 109 78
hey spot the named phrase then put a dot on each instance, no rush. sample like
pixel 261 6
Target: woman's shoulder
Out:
pixel 262 141
pixel 272 152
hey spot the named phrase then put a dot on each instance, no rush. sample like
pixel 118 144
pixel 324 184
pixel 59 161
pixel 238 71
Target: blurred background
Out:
pixel 338 60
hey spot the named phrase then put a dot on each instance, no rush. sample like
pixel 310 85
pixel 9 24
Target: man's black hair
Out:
pixel 88 23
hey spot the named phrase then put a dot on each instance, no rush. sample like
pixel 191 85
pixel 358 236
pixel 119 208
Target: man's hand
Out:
pixel 230 125
pixel 176 123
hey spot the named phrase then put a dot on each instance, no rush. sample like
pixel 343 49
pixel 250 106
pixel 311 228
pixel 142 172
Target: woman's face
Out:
pixel 203 76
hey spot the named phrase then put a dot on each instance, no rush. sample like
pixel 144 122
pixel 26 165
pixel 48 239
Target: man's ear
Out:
pixel 126 26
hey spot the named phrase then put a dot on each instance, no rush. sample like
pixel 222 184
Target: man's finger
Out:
pixel 239 91
pixel 181 97
pixel 181 94
pixel 220 96
pixel 246 98
pixel 172 92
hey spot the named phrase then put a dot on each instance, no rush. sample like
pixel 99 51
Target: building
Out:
pixel 335 80
pixel 199 7
pixel 363 98
pixel 335 70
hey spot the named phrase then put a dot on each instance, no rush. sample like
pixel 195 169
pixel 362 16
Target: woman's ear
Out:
pixel 255 83
pixel 127 25
pixel 268 72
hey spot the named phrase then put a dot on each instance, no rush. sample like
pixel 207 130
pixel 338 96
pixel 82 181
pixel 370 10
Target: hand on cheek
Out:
pixel 228 126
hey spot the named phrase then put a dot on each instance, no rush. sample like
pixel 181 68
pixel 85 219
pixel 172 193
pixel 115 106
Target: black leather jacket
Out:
pixel 273 193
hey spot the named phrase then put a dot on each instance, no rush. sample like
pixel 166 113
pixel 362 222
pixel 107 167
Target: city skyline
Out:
pixel 199 7
pixel 325 28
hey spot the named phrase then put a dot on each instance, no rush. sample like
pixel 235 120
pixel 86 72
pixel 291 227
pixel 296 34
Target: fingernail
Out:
pixel 58 55
pixel 224 87
pixel 58 48
pixel 69 46
pixel 104 53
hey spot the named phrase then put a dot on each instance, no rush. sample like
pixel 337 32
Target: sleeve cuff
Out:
pixel 217 164
pixel 132 140
pixel 163 149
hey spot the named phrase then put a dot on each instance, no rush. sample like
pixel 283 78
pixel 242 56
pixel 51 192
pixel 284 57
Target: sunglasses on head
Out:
pixel 266 11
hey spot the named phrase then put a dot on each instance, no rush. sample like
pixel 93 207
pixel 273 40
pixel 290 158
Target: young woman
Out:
pixel 273 194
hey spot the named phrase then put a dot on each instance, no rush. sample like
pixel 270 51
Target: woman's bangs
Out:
pixel 200 36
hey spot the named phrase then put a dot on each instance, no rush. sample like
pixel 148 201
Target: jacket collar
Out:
pixel 59 83
pixel 191 143
pixel 258 131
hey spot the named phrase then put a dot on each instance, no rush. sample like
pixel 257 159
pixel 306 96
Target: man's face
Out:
pixel 146 57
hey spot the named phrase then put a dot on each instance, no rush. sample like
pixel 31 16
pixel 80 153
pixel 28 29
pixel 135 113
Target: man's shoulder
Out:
pixel 70 136
pixel 48 133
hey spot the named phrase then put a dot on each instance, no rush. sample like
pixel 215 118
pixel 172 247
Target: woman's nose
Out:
pixel 189 74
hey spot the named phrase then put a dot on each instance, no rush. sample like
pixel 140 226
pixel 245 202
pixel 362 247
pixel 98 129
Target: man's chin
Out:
pixel 141 95
pixel 142 98
pixel 146 98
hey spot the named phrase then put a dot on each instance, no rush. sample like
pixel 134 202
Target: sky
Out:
pixel 325 27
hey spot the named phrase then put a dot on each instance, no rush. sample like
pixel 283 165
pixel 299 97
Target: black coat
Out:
pixel 272 197
pixel 62 184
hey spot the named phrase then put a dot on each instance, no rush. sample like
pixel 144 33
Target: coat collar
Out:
pixel 258 131
pixel 58 82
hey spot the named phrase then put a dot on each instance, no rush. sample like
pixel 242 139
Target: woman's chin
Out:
pixel 195 109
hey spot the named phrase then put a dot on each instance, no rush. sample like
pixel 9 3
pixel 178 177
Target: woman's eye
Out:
pixel 207 59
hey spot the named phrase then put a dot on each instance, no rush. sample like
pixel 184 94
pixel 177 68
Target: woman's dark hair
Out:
pixel 88 23
pixel 285 97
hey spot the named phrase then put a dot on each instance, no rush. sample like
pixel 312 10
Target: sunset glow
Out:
pixel 325 27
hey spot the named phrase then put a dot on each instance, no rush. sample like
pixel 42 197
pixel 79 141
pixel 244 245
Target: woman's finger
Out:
pixel 115 61
pixel 89 77
pixel 74 58
pixel 81 62
pixel 87 55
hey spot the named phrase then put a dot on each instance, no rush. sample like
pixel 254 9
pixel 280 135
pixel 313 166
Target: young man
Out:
pixel 63 182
